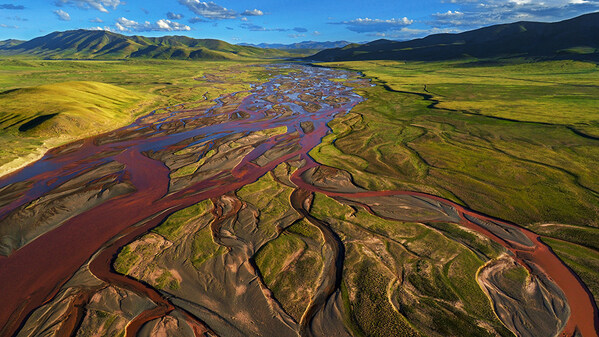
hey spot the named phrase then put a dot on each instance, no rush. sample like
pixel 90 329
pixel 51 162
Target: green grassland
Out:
pixel 409 278
pixel 36 118
pixel 46 103
pixel 517 141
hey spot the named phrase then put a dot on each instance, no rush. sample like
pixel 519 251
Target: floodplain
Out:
pixel 366 198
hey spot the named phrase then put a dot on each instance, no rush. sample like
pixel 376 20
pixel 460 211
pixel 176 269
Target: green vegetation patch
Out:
pixel 203 247
pixel 522 132
pixel 171 228
pixel 291 268
pixel 270 198
pixel 191 168
pixel 398 266
pixel 370 307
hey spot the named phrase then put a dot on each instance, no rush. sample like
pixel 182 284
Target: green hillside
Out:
pixel 36 118
pixel 97 44
pixel 577 38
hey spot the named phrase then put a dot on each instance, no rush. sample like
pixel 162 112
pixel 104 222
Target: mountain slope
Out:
pixel 576 38
pixel 91 44
pixel 314 45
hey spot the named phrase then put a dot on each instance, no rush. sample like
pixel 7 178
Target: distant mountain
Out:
pixel 9 43
pixel 577 38
pixel 313 45
pixel 98 44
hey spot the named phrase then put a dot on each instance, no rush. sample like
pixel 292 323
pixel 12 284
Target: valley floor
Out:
pixel 297 200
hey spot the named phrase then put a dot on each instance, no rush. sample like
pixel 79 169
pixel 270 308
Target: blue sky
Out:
pixel 277 21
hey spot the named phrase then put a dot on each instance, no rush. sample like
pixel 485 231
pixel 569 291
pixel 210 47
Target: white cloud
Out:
pixel 209 9
pixel 62 15
pixel 2 25
pixel 100 5
pixel 316 33
pixel 471 14
pixel 253 12
pixel 375 25
pixel 96 20
pixel 295 36
pixel 125 25
pixel 105 28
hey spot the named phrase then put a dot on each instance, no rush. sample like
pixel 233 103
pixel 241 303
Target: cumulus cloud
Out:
pixel 125 25
pixel 96 20
pixel 213 11
pixel 62 15
pixel 100 5
pixel 375 25
pixel 253 12
pixel 174 16
pixel 209 9
pixel 105 28
pixel 11 6
pixel 316 33
pixel 471 14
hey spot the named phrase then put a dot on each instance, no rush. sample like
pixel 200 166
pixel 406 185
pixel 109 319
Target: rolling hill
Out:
pixel 576 38
pixel 97 44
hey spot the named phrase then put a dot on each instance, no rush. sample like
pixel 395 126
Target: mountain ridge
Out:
pixel 576 38
pixel 99 44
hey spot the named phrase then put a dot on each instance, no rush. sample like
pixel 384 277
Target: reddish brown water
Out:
pixel 32 275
